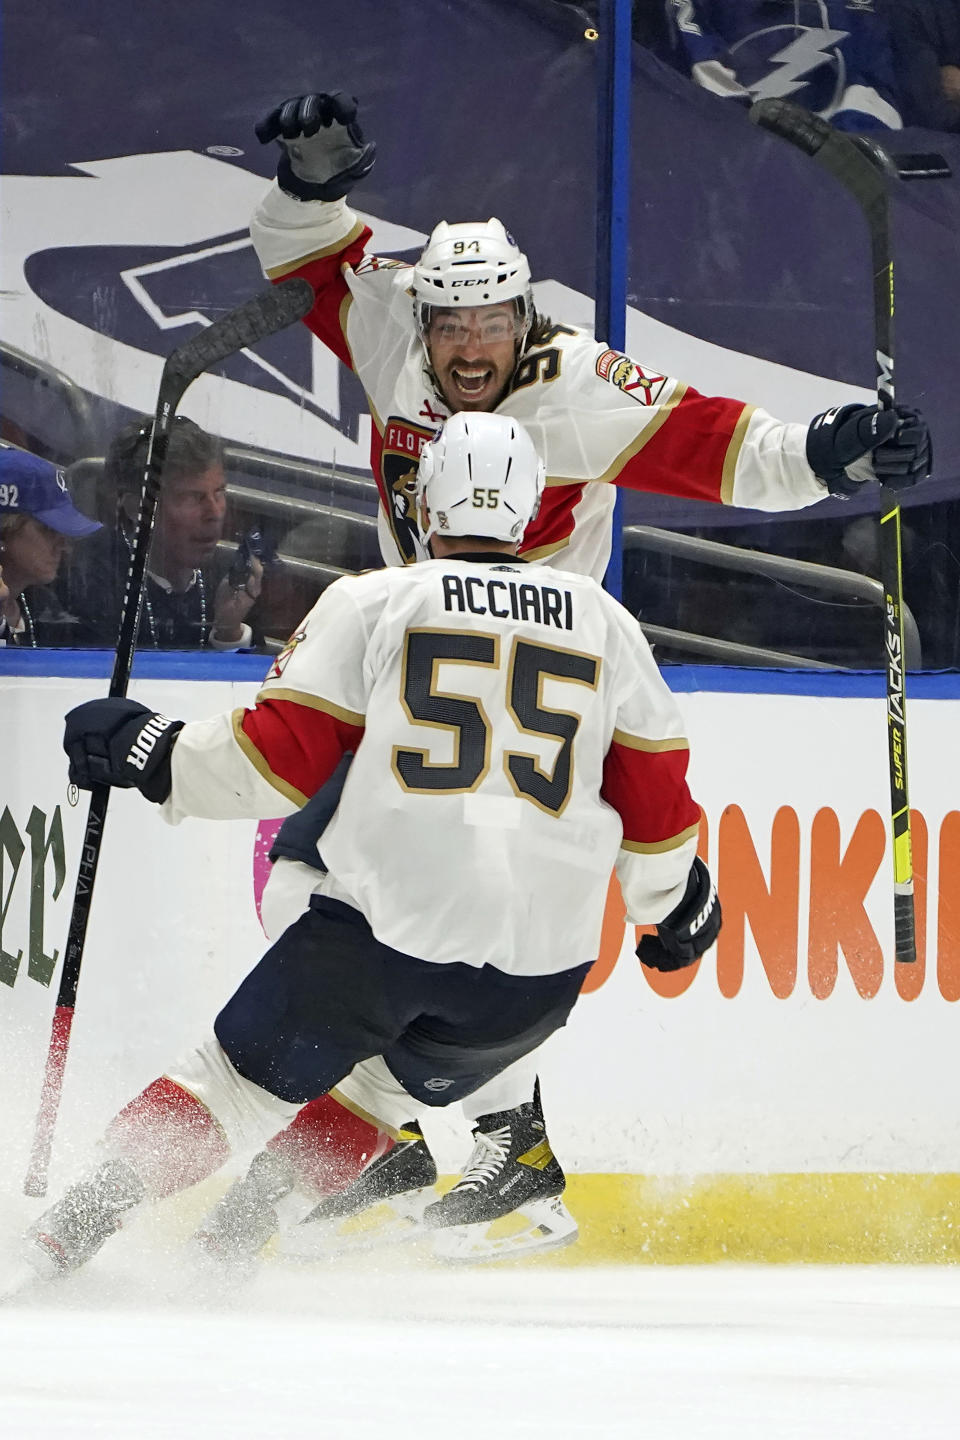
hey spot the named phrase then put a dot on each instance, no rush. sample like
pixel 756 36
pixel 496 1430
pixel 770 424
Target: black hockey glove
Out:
pixel 689 930
pixel 122 743
pixel 892 446
pixel 324 152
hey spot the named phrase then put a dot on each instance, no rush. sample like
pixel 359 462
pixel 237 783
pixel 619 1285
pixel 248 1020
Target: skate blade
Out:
pixel 391 1222
pixel 540 1226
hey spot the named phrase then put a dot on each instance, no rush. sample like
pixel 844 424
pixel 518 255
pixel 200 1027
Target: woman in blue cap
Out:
pixel 38 520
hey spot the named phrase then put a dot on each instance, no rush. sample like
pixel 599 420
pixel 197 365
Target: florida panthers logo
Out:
pixel 402 442
pixel 380 262
pixel 628 376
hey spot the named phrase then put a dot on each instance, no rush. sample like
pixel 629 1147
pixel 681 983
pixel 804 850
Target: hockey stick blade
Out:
pixel 861 165
pixel 265 314
pixel 791 122
pixel 810 133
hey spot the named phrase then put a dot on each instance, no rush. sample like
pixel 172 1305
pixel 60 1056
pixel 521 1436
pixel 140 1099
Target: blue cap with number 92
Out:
pixel 31 486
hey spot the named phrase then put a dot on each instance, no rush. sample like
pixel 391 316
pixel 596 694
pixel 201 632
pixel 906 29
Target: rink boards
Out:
pixel 791 1097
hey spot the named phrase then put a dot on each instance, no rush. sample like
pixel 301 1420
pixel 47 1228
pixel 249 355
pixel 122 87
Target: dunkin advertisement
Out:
pixel 796 1045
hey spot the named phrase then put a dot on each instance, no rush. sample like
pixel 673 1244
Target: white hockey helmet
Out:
pixel 471 264
pixel 479 475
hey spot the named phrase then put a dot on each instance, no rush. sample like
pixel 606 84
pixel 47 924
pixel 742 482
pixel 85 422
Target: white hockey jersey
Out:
pixel 514 741
pixel 597 417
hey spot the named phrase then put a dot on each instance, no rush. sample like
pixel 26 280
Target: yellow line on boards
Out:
pixel 782 1219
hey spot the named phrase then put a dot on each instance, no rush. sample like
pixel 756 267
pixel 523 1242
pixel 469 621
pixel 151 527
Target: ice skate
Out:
pixel 383 1205
pixel 239 1226
pixel 75 1228
pixel 507 1200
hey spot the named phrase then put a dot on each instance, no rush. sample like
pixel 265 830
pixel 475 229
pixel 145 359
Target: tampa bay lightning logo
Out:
pixel 802 62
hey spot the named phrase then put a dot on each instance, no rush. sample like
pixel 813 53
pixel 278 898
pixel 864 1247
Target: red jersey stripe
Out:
pixel 331 289
pixel 668 465
pixel 299 745
pixel 648 789
pixel 554 523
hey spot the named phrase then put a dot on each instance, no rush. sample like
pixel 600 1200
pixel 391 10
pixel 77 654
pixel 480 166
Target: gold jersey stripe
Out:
pixel 345 304
pixel 276 271
pixel 290 792
pixel 312 702
pixel 657 847
pixel 733 454
pixel 652 747
pixel 542 550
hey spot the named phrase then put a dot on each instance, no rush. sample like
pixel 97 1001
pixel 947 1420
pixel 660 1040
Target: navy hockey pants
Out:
pixel 328 994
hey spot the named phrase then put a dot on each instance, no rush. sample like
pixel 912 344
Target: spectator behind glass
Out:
pixel 38 521
pixel 839 63
pixel 926 49
pixel 184 604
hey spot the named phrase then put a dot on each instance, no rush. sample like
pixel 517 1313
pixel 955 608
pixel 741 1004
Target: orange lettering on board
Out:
pixel 909 978
pixel 772 913
pixel 838 889
pixel 948 915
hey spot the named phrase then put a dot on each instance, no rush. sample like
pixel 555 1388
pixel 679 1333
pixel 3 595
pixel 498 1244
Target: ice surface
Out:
pixel 396 1349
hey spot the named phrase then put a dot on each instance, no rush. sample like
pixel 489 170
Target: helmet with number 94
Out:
pixel 480 475
pixel 471 264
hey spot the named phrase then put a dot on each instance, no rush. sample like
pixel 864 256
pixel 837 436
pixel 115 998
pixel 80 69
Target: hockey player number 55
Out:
pixel 464 716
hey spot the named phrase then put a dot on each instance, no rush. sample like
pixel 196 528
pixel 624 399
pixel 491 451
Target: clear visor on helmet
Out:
pixel 507 320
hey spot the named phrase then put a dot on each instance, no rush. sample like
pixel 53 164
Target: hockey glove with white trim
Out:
pixel 689 930
pixel 122 743
pixel 324 152
pixel 851 444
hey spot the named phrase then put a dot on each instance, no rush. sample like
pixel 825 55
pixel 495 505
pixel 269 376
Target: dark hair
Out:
pixel 541 330
pixel 190 451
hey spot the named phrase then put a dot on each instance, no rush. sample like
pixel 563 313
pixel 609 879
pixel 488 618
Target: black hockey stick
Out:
pixel 264 315
pixel 866 171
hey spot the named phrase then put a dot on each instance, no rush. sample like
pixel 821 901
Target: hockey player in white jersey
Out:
pixel 459 331
pixel 496 713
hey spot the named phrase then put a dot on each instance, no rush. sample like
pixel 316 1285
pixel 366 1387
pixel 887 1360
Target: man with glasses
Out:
pixel 188 603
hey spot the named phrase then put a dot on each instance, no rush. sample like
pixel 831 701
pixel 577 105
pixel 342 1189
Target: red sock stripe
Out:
pixel 329 1145
pixel 169 1136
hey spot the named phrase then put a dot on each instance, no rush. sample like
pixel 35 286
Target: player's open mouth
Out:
pixel 472 381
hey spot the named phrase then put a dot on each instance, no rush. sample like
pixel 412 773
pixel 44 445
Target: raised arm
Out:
pixel 303 225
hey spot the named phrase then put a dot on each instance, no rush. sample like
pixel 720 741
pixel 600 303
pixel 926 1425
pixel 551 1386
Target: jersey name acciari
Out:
pixel 513 742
